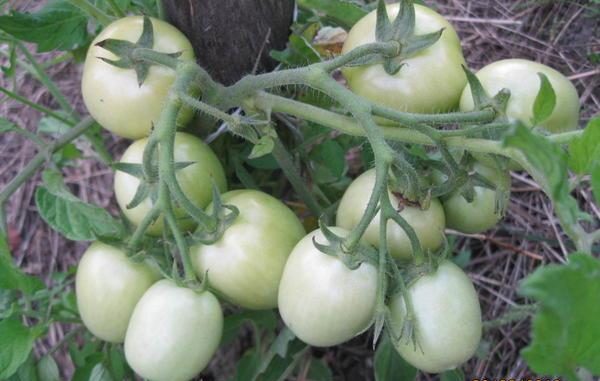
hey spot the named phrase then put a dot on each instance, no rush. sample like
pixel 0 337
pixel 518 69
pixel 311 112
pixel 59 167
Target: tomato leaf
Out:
pixel 329 157
pixel 57 26
pixel 388 365
pixel 100 373
pixel 565 331
pixel 299 52
pixel 340 12
pixel 27 371
pixel 70 216
pixel 11 277
pixel 319 371
pixel 548 158
pixel 264 147
pixel 232 324
pixel 545 101
pixel 453 375
pixel 47 369
pixel 584 151
pixel 17 343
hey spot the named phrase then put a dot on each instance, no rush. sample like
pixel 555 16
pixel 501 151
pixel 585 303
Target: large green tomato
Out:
pixel 428 224
pixel 430 81
pixel 482 213
pixel 246 264
pixel 113 96
pixel 320 299
pixel 173 332
pixel 448 320
pixel 195 180
pixel 108 286
pixel 521 78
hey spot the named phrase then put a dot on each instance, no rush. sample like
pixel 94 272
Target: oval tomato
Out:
pixel 521 78
pixel 320 299
pixel 430 81
pixel 173 332
pixel 428 224
pixel 448 320
pixel 484 211
pixel 195 180
pixel 113 96
pixel 246 264
pixel 108 286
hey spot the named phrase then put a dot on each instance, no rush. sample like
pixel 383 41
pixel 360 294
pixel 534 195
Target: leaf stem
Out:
pixel 116 9
pixel 92 10
pixel 38 160
pixel 37 107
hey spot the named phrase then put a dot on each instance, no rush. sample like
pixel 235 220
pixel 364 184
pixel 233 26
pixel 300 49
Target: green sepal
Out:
pixel 224 216
pixel 135 170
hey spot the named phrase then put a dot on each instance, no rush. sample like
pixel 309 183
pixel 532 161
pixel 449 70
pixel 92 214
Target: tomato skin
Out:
pixel 428 224
pixel 321 300
pixel 448 317
pixel 521 78
pixel 480 214
pixel 431 80
pixel 173 332
pixel 246 264
pixel 108 286
pixel 195 180
pixel 113 96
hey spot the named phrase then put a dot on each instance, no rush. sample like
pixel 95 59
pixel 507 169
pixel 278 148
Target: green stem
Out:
pixel 92 10
pixel 160 9
pixel 410 119
pixel 389 49
pixel 38 160
pixel 148 220
pixel 350 126
pixel 36 106
pixel 286 162
pixel 516 313
pixel 116 9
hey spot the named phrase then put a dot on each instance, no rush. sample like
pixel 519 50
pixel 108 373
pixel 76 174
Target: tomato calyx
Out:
pixel 352 258
pixel 223 216
pixel 402 31
pixel 126 52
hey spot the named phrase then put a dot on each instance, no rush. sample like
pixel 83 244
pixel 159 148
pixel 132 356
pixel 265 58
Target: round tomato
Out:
pixel 448 320
pixel 483 212
pixel 246 264
pixel 173 332
pixel 430 81
pixel 195 180
pixel 113 95
pixel 521 78
pixel 320 299
pixel 428 224
pixel 108 286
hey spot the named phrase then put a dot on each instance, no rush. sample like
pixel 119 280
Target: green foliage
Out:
pixel 566 333
pixel 57 26
pixel 73 218
pixel 339 12
pixel 11 277
pixel 17 343
pixel 47 370
pixel 544 101
pixel 388 365
pixel 584 151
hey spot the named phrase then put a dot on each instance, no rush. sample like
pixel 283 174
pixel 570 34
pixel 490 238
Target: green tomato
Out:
pixel 521 78
pixel 195 180
pixel 113 96
pixel 108 286
pixel 173 332
pixel 430 81
pixel 320 299
pixel 485 210
pixel 246 264
pixel 448 320
pixel 428 224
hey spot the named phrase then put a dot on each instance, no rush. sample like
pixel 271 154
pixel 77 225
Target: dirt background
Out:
pixel 562 34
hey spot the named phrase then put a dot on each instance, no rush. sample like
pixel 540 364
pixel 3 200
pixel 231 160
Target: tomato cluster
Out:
pixel 265 259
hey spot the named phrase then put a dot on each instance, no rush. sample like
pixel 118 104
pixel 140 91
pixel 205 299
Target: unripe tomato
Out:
pixel 113 95
pixel 521 78
pixel 481 214
pixel 173 332
pixel 320 299
pixel 195 180
pixel 430 81
pixel 448 320
pixel 428 224
pixel 108 286
pixel 246 264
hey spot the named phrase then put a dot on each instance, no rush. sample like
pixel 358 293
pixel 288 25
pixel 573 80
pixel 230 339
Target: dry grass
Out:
pixel 561 34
